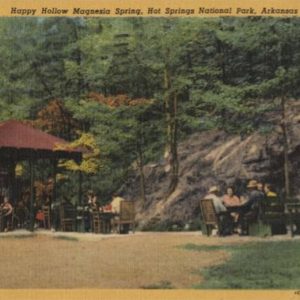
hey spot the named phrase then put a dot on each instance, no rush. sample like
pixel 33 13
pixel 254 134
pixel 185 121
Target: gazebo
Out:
pixel 22 142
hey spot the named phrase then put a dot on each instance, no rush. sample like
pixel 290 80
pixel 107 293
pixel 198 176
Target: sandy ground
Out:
pixel 45 260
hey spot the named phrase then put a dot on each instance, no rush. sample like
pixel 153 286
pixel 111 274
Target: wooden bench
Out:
pixel 211 219
pixel 272 213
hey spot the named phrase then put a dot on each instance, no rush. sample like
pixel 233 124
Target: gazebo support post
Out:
pixel 12 182
pixel 80 188
pixel 54 171
pixel 32 178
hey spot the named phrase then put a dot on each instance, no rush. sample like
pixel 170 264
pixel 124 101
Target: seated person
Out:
pixel 94 205
pixel 225 219
pixel 229 200
pixel 116 209
pixel 87 210
pixel 116 203
pixel 6 211
pixel 39 217
pixel 92 201
pixel 253 197
pixel 249 209
pixel 213 195
pixel 268 191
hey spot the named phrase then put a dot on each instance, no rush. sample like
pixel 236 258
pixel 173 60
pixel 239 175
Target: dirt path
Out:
pixel 89 261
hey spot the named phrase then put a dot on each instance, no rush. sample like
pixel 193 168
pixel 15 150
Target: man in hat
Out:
pixel 213 195
pixel 249 209
pixel 225 219
pixel 254 196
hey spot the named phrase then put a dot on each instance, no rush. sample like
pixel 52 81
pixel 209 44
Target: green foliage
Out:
pixel 278 266
pixel 227 73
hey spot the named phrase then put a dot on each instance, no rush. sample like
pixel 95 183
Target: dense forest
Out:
pixel 131 89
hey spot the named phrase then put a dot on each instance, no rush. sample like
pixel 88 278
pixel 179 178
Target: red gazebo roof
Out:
pixel 19 136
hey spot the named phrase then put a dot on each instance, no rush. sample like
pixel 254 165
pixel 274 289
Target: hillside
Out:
pixel 215 157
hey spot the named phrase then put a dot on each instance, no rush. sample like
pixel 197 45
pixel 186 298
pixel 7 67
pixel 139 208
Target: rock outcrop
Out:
pixel 216 158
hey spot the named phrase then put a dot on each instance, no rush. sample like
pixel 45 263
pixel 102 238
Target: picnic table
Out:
pixel 274 216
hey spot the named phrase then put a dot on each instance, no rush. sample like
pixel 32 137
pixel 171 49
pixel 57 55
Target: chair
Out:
pixel 209 215
pixel 47 216
pixel 96 222
pixel 68 216
pixel 222 220
pixel 126 218
pixel 106 219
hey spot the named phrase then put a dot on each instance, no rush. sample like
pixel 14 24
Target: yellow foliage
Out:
pixel 90 163
pixel 19 170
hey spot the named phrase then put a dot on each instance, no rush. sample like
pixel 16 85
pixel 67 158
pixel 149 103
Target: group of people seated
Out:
pixel 232 210
pixel 92 205
pixel 17 214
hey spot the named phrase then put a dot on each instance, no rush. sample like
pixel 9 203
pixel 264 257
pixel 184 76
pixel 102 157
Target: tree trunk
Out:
pixel 285 149
pixel 12 182
pixel 173 148
pixel 171 156
pixel 167 103
pixel 140 163
pixel 78 59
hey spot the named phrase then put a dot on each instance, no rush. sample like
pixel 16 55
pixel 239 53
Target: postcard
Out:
pixel 149 149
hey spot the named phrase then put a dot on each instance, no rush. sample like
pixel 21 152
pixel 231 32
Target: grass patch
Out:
pixel 161 285
pixel 194 247
pixel 66 238
pixel 260 265
pixel 17 236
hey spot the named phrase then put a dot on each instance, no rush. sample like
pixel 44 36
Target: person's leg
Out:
pixel 5 223
pixel 87 222
pixel 240 222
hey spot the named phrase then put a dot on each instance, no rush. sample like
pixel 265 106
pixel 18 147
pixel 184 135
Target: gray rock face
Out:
pixel 217 158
